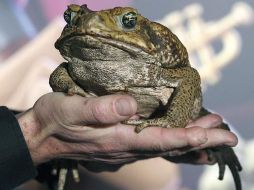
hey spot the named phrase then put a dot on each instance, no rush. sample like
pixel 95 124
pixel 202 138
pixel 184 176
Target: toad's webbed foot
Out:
pixel 226 156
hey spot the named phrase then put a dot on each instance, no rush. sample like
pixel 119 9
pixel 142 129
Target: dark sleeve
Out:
pixel 16 165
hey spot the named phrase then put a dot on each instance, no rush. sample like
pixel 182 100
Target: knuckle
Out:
pixel 100 112
pixel 160 140
pixel 163 146
pixel 126 138
pixel 196 136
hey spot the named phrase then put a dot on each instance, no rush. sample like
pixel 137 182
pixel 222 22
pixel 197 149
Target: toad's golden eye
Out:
pixel 129 20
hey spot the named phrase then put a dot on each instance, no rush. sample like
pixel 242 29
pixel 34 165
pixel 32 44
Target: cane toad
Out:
pixel 120 51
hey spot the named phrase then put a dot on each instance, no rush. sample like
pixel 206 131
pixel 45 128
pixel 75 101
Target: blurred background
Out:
pixel 219 37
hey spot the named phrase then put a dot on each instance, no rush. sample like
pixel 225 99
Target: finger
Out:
pixel 99 110
pixel 162 139
pixel 219 137
pixel 166 139
pixel 208 121
pixel 215 137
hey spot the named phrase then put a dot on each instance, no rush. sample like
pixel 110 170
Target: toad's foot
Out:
pixel 144 123
pixel 226 156
pixel 61 169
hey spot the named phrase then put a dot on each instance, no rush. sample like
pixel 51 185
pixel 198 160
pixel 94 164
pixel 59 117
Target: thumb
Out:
pixel 100 110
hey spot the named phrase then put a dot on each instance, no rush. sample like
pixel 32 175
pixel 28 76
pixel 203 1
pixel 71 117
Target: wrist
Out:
pixel 35 135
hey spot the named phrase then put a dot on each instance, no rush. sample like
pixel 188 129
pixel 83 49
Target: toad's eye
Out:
pixel 129 20
pixel 68 16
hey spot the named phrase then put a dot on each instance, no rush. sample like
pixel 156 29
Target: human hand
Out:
pixel 199 155
pixel 60 126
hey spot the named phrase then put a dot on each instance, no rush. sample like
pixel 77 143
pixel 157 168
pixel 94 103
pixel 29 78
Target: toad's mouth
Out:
pixel 135 50
pixel 89 41
pixel 101 38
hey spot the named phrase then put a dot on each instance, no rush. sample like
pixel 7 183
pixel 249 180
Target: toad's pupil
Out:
pixel 129 20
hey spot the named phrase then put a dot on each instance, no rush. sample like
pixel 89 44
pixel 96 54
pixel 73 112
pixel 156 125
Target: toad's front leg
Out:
pixel 60 81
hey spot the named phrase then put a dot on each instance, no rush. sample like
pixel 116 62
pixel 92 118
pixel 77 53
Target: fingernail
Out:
pixel 124 107
pixel 232 142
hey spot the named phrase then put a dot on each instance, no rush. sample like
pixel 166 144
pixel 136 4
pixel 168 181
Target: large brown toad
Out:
pixel 119 51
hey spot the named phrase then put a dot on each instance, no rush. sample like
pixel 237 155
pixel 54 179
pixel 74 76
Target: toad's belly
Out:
pixel 151 100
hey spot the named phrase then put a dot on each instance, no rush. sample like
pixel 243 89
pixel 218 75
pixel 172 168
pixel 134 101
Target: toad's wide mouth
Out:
pixel 123 46
pixel 86 47
pixel 97 40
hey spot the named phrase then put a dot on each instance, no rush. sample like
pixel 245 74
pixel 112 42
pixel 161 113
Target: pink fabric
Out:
pixel 57 7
